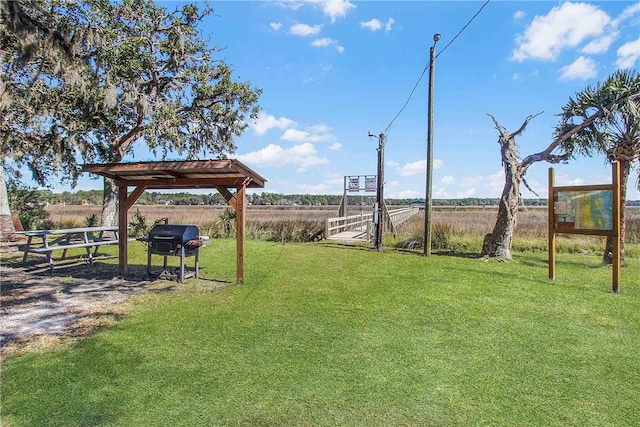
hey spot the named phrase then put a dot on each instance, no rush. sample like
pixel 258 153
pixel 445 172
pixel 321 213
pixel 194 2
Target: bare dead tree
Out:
pixel 498 243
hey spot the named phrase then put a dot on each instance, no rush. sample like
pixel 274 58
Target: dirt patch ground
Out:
pixel 38 305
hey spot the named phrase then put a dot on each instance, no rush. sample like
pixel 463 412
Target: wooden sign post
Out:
pixel 587 210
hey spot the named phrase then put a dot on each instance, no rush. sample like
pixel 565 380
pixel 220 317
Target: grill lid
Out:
pixel 174 232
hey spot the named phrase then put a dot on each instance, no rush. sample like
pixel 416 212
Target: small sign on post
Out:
pixel 354 184
pixel 587 210
pixel 370 184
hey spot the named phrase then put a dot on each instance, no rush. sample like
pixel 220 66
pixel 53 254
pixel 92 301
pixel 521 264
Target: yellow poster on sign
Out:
pixel 585 210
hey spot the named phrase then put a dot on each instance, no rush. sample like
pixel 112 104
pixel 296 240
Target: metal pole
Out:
pixel 380 195
pixel 428 200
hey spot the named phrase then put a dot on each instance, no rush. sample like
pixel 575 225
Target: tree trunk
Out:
pixel 498 243
pixel 607 256
pixel 6 220
pixel 109 202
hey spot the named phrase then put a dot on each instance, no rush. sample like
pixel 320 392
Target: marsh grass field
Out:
pixel 458 229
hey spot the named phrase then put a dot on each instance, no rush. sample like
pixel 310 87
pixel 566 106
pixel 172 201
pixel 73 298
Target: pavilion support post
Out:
pixel 122 230
pixel 238 203
pixel 124 204
pixel 240 232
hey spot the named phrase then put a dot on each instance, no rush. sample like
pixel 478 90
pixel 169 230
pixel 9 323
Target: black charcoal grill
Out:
pixel 173 240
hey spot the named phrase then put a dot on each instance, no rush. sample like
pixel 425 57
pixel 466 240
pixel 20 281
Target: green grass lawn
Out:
pixel 329 335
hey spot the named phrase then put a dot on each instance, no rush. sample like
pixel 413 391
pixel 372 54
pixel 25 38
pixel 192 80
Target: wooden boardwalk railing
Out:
pixel 361 227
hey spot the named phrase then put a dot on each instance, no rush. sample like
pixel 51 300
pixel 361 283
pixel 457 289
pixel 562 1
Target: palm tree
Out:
pixel 616 134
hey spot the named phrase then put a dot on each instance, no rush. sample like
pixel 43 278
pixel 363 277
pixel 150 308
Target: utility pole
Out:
pixel 379 211
pixel 428 199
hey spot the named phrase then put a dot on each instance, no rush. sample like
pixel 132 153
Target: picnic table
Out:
pixel 46 242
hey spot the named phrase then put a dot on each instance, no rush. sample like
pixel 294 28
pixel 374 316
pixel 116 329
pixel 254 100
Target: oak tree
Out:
pixel 135 72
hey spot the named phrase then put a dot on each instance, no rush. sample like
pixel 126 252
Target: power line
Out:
pixel 463 28
pixel 429 63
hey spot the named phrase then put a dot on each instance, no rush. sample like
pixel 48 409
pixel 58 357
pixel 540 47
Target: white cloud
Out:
pixel 305 30
pixel 320 128
pixel 565 26
pixel 519 15
pixel 601 44
pixel 325 42
pixel 376 25
pixel 447 180
pixel 581 69
pixel 334 8
pixel 439 193
pixel 296 135
pixel 389 24
pixel 471 180
pixel 336 146
pixel 277 26
pixel 373 24
pixel 628 54
pixel 419 167
pixel 406 194
pixel 265 122
pixel 627 13
pixel 492 184
pixel 414 168
pixel 290 4
pixel 330 183
pixel 565 180
pixel 471 192
pixel 321 189
pixel 322 42
pixel 303 155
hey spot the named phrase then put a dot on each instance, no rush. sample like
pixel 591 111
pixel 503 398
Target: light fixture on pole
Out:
pixel 428 200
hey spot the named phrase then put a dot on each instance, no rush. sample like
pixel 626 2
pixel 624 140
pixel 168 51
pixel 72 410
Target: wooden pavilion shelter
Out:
pixel 222 175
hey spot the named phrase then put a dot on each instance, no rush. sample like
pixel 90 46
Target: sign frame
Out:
pixel 560 227
pixel 353 183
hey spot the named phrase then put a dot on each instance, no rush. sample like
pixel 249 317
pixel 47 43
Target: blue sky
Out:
pixel 332 71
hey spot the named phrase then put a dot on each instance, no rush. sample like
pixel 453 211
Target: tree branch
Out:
pixel 546 154
pixel 498 126
pixel 524 124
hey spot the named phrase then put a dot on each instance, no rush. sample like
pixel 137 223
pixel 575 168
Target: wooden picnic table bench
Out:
pixel 48 241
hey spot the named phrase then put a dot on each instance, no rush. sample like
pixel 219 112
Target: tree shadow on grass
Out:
pixel 455 254
pixel 73 299
pixel 350 246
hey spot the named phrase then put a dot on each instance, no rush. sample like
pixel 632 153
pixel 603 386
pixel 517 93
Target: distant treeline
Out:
pixel 94 197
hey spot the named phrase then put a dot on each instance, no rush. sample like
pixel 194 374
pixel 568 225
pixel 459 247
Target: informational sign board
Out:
pixel 370 184
pixel 586 209
pixel 354 183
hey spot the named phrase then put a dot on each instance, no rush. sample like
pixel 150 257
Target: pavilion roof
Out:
pixel 180 174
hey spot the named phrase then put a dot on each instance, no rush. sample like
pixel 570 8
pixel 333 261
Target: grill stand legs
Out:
pixel 165 274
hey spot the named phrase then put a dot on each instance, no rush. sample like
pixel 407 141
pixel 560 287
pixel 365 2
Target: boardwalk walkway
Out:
pixel 350 236
pixel 360 227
